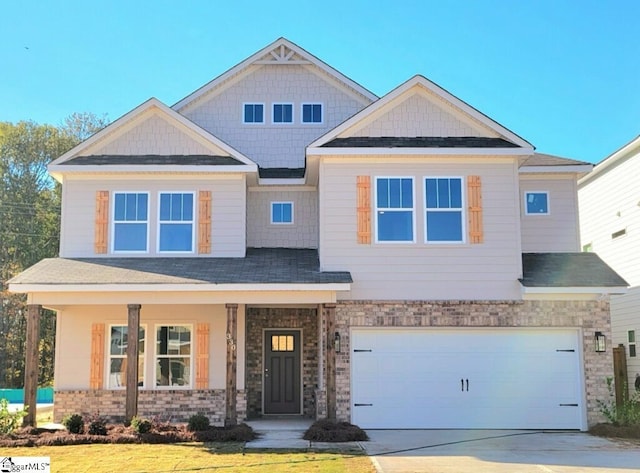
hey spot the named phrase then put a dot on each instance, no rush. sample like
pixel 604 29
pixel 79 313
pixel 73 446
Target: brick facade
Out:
pixel 257 320
pixel 168 405
pixel 590 315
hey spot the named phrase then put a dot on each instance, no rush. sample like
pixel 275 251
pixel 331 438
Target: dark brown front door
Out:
pixel 282 372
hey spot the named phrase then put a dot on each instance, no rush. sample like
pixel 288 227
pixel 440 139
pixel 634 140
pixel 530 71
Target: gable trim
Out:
pixel 419 151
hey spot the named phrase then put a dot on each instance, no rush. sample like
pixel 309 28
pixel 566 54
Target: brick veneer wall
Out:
pixel 258 319
pixel 590 315
pixel 170 405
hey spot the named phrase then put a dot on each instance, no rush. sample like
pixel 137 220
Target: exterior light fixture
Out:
pixel 600 342
pixel 336 342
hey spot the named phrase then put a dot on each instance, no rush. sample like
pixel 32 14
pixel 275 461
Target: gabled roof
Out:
pixel 68 161
pixel 547 163
pixel 568 270
pixel 629 150
pixel 280 52
pixel 412 85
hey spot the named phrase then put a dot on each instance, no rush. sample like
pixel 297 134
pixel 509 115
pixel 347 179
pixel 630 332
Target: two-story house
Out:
pixel 283 241
pixel 609 199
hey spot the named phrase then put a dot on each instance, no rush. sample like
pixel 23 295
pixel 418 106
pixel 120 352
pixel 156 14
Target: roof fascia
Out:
pixel 204 287
pixel 419 151
pixel 612 160
pixel 256 59
pixel 58 171
pixel 574 169
pixel 405 88
pixel 575 290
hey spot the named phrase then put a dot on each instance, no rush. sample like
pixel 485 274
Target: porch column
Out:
pixel 133 328
pixel 31 367
pixel 231 416
pixel 330 316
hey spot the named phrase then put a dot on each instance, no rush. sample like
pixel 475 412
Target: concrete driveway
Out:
pixel 498 451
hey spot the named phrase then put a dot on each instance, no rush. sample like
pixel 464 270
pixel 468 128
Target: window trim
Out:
pixel 376 209
pixel 109 357
pixel 282 203
pixel 526 209
pixel 321 122
pixel 273 113
pixel 462 208
pixel 191 355
pixel 113 223
pixel 244 117
pixel 170 222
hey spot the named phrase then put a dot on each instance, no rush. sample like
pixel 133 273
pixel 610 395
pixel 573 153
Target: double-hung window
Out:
pixel 311 113
pixel 394 209
pixel 130 221
pixel 631 338
pixel 173 355
pixel 536 203
pixel 118 342
pixel 282 113
pixel 444 215
pixel 176 222
pixel 253 113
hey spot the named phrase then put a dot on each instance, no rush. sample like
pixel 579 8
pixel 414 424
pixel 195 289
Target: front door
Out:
pixel 282 372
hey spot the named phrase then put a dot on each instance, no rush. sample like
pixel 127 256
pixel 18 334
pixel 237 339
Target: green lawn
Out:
pixel 189 457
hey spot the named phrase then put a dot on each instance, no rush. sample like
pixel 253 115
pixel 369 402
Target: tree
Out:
pixel 30 228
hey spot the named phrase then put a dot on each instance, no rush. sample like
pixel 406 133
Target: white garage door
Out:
pixel 466 378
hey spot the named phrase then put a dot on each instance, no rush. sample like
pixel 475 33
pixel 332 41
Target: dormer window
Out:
pixel 311 113
pixel 253 113
pixel 282 113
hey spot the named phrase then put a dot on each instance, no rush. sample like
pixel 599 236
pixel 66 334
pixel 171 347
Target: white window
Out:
pixel 536 203
pixel 281 213
pixel 253 113
pixel 118 342
pixel 631 338
pixel 311 113
pixel 173 355
pixel 394 209
pixel 282 113
pixel 444 219
pixel 130 221
pixel 175 222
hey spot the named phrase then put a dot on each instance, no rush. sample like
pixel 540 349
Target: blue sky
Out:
pixel 565 75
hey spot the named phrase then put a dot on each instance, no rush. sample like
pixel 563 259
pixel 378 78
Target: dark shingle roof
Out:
pixel 281 173
pixel 568 270
pixel 154 159
pixel 419 142
pixel 260 266
pixel 540 159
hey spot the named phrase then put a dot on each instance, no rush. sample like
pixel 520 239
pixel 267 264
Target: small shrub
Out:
pixel 198 423
pixel 235 433
pixel 73 423
pixel 9 421
pixel 141 426
pixel 326 430
pixel 626 414
pixel 97 426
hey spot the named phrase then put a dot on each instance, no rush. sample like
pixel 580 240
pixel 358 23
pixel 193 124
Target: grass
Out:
pixel 190 457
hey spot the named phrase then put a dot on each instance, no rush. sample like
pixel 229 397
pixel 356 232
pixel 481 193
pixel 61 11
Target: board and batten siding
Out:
pixel 228 210
pixel 275 144
pixel 74 329
pixel 302 233
pixel 559 231
pixel 422 271
pixel 625 316
pixel 609 204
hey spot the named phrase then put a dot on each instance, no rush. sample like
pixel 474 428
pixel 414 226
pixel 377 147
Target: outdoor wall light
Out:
pixel 600 342
pixel 336 342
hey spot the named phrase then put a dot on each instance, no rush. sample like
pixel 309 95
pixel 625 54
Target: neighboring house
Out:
pixel 610 226
pixel 285 242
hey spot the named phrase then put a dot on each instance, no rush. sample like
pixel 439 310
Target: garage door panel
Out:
pixel 413 378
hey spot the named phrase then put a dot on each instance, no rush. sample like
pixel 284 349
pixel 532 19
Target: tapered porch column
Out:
pixel 31 367
pixel 330 317
pixel 133 328
pixel 231 416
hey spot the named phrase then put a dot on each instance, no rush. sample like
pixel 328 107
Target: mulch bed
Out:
pixel 118 434
pixel 616 431
pixel 331 431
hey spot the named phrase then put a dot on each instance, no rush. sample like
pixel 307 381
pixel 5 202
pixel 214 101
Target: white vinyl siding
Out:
pixel 421 271
pixel 625 316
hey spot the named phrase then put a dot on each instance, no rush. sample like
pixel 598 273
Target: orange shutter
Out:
pixel 102 222
pixel 204 222
pixel 474 192
pixel 96 377
pixel 364 209
pixel 202 356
